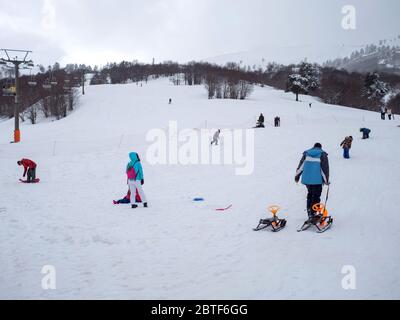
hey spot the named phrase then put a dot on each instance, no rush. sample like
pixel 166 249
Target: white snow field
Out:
pixel 179 249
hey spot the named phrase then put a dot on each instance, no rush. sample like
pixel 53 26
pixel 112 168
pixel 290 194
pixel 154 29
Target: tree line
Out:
pixel 51 93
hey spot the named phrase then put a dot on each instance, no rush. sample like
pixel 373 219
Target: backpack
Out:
pixel 131 174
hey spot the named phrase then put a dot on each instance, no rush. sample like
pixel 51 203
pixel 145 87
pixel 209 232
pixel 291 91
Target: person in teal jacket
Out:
pixel 134 172
pixel 314 172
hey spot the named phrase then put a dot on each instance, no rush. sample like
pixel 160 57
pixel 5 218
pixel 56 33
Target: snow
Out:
pixel 179 249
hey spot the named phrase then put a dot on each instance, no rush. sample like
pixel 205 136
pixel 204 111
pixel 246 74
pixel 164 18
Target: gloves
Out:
pixel 142 181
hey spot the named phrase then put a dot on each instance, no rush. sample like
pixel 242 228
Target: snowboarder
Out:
pixel 346 145
pixel 314 171
pixel 277 121
pixel 29 169
pixel 260 122
pixel 134 172
pixel 389 113
pixel 383 113
pixel 127 199
pixel 365 132
pixel 216 137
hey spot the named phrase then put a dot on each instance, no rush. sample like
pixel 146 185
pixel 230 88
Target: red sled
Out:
pixel 33 181
pixel 224 209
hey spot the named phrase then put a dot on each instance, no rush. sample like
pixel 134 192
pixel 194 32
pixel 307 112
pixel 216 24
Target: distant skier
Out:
pixel 277 121
pixel 365 132
pixel 310 105
pixel 346 145
pixel 383 113
pixel 170 101
pixel 260 122
pixel 216 137
pixel 314 170
pixel 134 172
pixel 29 169
pixel 389 113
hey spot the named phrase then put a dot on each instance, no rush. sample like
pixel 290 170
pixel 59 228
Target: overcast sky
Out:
pixel 99 31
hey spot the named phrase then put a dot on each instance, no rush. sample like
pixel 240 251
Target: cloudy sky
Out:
pixel 99 31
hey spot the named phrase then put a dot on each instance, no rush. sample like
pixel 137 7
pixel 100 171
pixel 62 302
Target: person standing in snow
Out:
pixel 346 145
pixel 314 171
pixel 170 101
pixel 29 169
pixel 260 122
pixel 389 112
pixel 383 113
pixel 365 132
pixel 134 172
pixel 277 121
pixel 216 137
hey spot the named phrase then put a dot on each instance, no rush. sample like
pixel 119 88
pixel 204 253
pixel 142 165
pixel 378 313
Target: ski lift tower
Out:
pixel 20 60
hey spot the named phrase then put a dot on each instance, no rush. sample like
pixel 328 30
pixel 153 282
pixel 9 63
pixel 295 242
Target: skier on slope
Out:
pixel 216 137
pixel 134 172
pixel 314 170
pixel 346 145
pixel 29 169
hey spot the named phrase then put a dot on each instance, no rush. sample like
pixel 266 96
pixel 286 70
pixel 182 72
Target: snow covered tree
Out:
pixel 374 89
pixel 312 73
pixel 297 84
pixel 305 80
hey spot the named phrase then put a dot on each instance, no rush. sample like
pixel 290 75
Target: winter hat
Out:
pixel 318 145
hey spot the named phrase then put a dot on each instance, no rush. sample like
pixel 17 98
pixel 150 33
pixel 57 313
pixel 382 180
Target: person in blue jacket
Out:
pixel 134 172
pixel 314 172
pixel 365 132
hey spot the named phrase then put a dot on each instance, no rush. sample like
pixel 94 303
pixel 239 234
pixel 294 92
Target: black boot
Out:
pixel 134 206
pixel 145 205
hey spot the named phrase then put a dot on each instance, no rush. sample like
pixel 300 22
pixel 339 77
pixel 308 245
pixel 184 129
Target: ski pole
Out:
pixel 327 195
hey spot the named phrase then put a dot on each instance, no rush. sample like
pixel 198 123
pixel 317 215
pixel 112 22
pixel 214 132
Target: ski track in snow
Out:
pixel 177 249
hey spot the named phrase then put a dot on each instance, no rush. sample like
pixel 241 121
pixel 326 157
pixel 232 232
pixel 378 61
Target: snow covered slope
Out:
pixel 178 249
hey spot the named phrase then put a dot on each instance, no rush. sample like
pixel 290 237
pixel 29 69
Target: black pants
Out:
pixel 313 197
pixel 31 175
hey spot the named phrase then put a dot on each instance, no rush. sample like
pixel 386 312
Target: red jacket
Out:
pixel 28 164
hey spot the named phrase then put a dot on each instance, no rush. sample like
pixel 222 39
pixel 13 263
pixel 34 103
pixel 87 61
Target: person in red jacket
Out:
pixel 29 169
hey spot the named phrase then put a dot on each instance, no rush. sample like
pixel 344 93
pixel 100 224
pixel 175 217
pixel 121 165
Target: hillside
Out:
pixel 178 249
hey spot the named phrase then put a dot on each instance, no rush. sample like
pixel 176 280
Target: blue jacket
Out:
pixel 136 165
pixel 314 167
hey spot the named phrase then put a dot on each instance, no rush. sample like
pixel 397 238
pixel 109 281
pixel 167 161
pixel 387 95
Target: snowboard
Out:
pixel 34 181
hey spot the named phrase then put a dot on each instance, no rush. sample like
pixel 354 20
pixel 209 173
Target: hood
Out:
pixel 314 153
pixel 134 157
